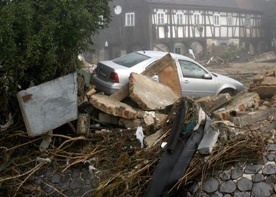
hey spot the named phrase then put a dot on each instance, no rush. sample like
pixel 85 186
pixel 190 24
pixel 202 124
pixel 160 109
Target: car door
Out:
pixel 195 81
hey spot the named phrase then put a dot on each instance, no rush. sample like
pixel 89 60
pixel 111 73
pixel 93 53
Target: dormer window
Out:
pixel 130 19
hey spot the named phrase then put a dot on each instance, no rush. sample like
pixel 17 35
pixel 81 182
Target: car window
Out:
pixel 150 65
pixel 191 70
pixel 131 59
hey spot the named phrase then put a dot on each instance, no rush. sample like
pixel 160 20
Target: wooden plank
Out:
pixel 154 69
pixel 169 77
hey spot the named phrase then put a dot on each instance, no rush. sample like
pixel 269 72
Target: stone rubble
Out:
pixel 241 179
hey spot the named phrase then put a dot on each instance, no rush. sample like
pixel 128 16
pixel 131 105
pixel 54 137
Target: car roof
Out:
pixel 158 54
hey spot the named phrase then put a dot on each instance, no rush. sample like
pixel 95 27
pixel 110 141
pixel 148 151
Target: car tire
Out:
pixel 229 91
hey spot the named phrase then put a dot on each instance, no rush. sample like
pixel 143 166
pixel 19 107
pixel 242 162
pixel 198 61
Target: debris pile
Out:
pixel 136 142
pixel 264 84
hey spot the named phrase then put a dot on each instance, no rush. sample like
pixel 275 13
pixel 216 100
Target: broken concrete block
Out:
pixel 169 77
pixel 83 124
pixel 209 139
pixel 49 105
pixel 113 107
pixel 148 94
pixel 208 142
pixel 109 119
pixel 159 119
pixel 157 67
pixel 264 84
pixel 149 118
pixel 253 117
pixel 265 91
pixel 241 102
pixel 91 92
pixel 151 140
pixel 130 124
pixel 215 103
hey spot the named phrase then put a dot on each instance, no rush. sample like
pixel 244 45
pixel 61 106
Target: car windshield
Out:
pixel 131 59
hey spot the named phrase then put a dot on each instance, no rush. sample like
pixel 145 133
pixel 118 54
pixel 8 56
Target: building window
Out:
pixel 216 19
pixel 177 50
pixel 197 18
pixel 130 19
pixel 247 22
pixel 229 21
pixel 160 18
pixel 179 18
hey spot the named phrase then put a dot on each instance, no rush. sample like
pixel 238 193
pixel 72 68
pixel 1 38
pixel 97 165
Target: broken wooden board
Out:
pixel 153 70
pixel 49 105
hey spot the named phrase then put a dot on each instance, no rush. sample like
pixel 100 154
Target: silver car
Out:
pixel 194 79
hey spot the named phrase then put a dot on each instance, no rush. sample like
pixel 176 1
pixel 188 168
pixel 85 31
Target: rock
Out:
pixel 210 185
pixel 236 173
pixel 244 184
pixel 270 169
pixel 56 178
pixel 252 169
pixel 242 194
pixel 225 176
pixel 228 187
pixel 261 189
pixel 257 178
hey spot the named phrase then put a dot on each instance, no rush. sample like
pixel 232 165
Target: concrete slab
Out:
pixel 49 105
pixel 253 117
pixel 157 67
pixel 209 139
pixel 210 105
pixel 149 94
pixel 241 102
pixel 113 107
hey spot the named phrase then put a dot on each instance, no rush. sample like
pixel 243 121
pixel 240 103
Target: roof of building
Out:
pixel 253 5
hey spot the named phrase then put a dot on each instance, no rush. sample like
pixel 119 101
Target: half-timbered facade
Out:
pixel 180 25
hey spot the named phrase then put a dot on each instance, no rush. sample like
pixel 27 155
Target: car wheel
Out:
pixel 229 91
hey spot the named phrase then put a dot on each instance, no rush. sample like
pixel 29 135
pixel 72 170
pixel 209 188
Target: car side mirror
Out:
pixel 207 76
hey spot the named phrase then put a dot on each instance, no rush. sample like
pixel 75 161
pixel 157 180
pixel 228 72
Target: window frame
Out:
pixel 130 19
pixel 160 18
pixel 179 18
pixel 230 21
pixel 191 65
pixel 197 18
pixel 216 19
pixel 247 22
